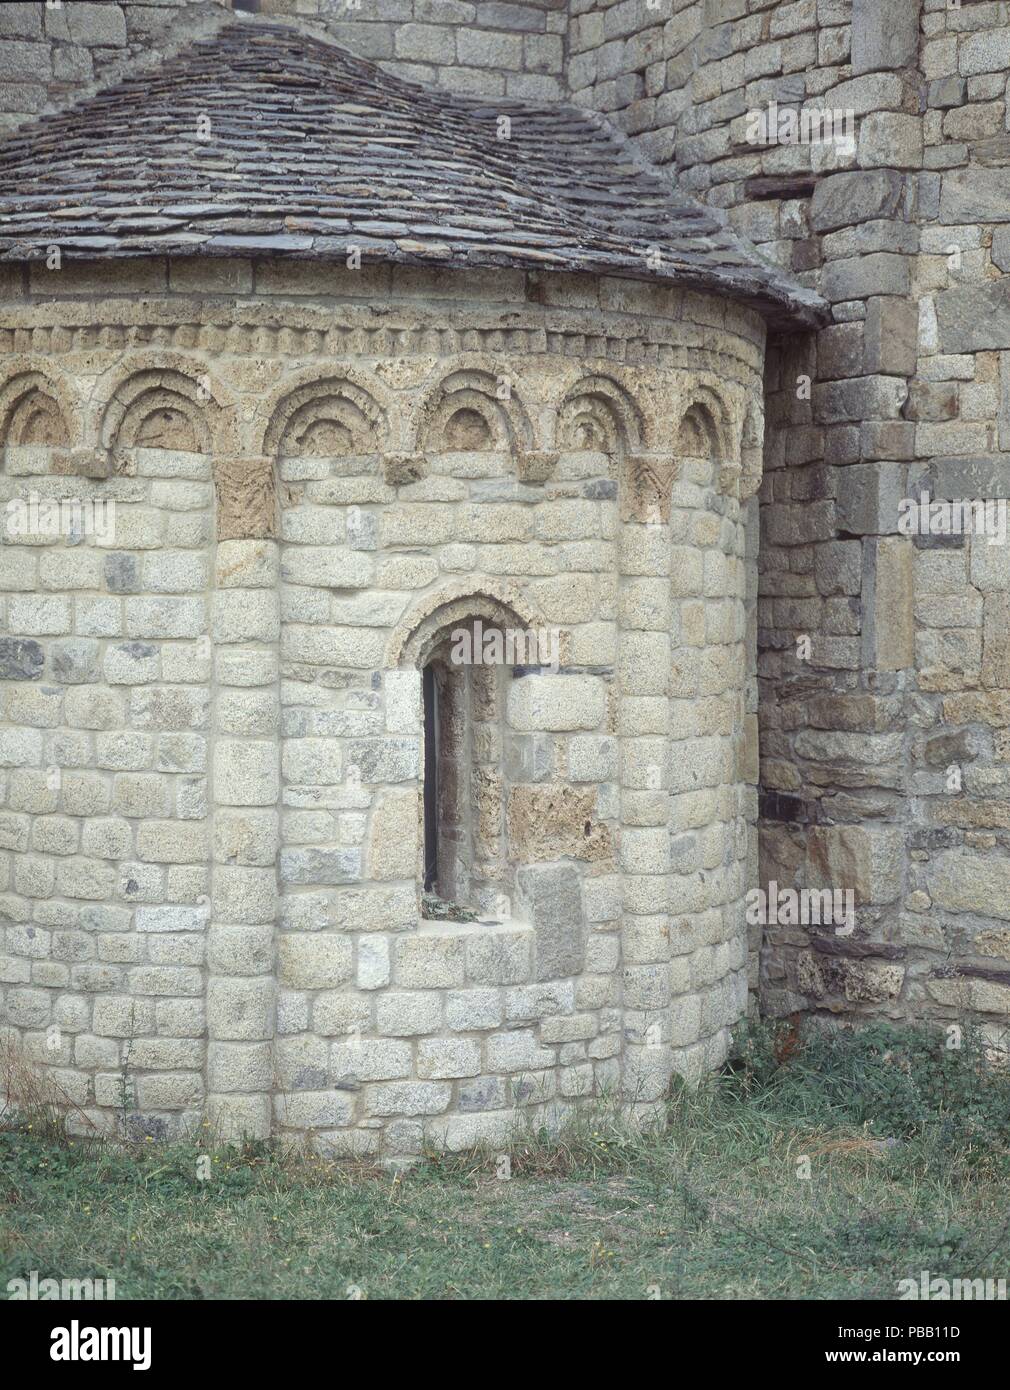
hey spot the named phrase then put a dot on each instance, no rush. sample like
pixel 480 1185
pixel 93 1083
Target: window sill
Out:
pixel 428 926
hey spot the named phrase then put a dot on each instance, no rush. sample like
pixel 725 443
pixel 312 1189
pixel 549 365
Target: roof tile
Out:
pixel 262 139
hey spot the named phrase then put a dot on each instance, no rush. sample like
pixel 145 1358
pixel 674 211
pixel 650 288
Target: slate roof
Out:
pixel 311 149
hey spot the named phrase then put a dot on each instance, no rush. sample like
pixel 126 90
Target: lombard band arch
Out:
pixel 598 414
pixel 166 406
pixel 472 409
pixel 329 416
pixel 32 411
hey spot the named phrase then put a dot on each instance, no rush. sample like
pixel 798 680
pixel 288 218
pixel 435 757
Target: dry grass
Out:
pixel 33 1100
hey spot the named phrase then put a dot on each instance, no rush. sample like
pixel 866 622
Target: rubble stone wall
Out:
pixel 884 754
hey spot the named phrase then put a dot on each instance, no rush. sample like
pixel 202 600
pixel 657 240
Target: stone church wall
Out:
pixel 884 752
pixel 884 756
pixel 210 726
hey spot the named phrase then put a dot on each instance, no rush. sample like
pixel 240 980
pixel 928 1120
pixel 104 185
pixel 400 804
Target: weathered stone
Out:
pixel 554 901
pixel 224 824
pixel 884 36
pixel 975 195
pixel 869 498
pixel 944 749
pixel 975 318
pixel 20 659
pixel 551 703
pixel 845 200
pixel 893 628
pixel 962 881
pixel 859 277
pixel 314 960
pixel 995 673
pixel 555 822
pixel 312 865
pixel 891 337
pixel 866 860
pixel 988 51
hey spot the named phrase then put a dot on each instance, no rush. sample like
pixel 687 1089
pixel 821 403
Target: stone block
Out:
pixel 240 1010
pixel 20 659
pixel 891 641
pixel 848 199
pixel 891 337
pixel 552 894
pixel 498 957
pixel 995 672
pixel 884 36
pixel 314 960
pixel 986 51
pixel 443 1059
pixel 858 277
pixel 246 772
pixel 474 1010
pixel 246 615
pixel 314 1109
pixel 975 318
pixel 373 962
pixel 459 1133
pixel 517 1051
pixel 869 498
pixel 962 880
pixel 430 960
pixel 556 821
pixel 555 703
pixel 866 859
pixel 975 194
pixel 404 1014
pixel 890 140
pixel 393 845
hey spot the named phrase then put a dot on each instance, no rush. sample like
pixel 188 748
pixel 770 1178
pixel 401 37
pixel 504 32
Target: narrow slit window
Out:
pixel 466 873
pixel 430 780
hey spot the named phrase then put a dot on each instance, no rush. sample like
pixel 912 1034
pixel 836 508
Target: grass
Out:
pixel 908 1151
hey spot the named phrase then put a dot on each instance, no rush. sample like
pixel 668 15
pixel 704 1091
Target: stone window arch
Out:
pixel 698 437
pixel 467 653
pixel 706 433
pixel 36 418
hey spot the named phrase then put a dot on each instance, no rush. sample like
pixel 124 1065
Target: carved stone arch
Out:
pixel 327 417
pixel 458 649
pixel 33 411
pixel 469 410
pixel 164 407
pixel 423 626
pixel 702 430
pixel 706 432
pixel 598 414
